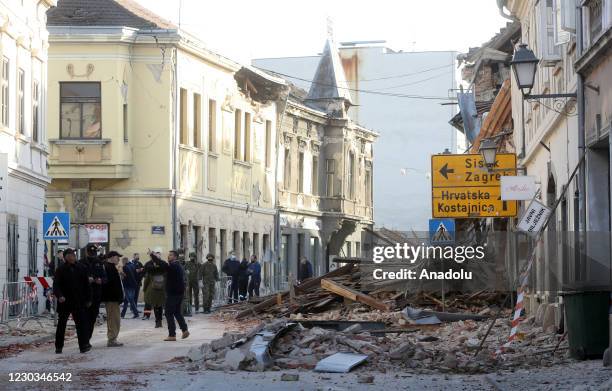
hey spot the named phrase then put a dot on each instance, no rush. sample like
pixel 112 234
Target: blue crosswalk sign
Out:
pixel 441 231
pixel 56 226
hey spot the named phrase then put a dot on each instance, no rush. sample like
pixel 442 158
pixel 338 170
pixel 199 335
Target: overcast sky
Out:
pixel 243 30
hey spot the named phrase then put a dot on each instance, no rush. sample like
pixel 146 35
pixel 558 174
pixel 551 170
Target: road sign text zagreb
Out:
pixel 463 186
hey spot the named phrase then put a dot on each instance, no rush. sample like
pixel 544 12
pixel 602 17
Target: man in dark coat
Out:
pixel 255 274
pixel 97 277
pixel 175 291
pixel 139 267
pixel 130 286
pixel 112 296
pixel 243 279
pixel 73 292
pixel 305 270
pixel 231 267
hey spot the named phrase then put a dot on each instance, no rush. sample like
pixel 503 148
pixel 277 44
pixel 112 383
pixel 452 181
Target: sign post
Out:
pixel 464 187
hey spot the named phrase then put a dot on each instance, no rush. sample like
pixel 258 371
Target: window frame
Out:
pixel 197 120
pixel 212 125
pixel 20 118
pixel 5 91
pixel 36 111
pixel 90 100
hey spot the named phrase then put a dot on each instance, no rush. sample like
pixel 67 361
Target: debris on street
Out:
pixel 329 324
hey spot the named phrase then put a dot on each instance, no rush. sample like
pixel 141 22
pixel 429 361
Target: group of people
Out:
pixel 82 286
pixel 245 277
pixel 170 288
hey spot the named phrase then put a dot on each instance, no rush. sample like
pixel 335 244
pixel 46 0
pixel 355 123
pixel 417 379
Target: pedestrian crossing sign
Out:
pixel 441 231
pixel 56 226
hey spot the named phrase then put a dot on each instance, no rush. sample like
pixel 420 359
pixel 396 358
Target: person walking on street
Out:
pixel 175 290
pixel 97 277
pixel 73 291
pixel 193 270
pixel 139 267
pixel 305 270
pixel 210 276
pixel 130 286
pixel 155 286
pixel 254 272
pixel 112 296
pixel 231 267
pixel 243 279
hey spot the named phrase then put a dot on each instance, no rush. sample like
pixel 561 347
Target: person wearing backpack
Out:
pixel 155 286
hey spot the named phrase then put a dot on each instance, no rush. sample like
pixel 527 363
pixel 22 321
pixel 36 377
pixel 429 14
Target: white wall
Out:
pixel 410 129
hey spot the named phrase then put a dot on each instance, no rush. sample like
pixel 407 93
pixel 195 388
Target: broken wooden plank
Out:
pixel 352 294
pixel 316 282
pixel 310 284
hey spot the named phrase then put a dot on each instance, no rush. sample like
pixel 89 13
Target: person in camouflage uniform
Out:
pixel 210 276
pixel 193 272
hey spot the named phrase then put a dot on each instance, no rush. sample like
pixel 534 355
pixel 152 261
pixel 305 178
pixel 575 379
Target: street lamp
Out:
pixel 488 150
pixel 524 64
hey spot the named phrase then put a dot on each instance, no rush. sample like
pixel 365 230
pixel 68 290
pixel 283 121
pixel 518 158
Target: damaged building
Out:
pixel 325 172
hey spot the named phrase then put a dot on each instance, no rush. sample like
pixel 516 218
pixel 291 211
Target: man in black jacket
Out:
pixel 73 292
pixel 231 267
pixel 112 296
pixel 97 277
pixel 175 290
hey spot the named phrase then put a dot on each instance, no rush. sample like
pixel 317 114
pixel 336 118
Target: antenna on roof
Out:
pixel 330 28
pixel 179 16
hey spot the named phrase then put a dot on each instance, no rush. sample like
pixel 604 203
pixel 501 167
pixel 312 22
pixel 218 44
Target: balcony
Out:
pixel 90 158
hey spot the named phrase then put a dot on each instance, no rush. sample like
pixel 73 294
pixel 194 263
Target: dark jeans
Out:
pixel 242 287
pixel 82 327
pixel 233 290
pixel 173 311
pixel 92 316
pixel 254 287
pixel 129 300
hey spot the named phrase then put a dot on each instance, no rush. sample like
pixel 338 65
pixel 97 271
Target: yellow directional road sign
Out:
pixel 462 186
pixel 477 201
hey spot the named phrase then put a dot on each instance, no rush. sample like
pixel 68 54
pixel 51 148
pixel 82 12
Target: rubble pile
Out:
pixel 449 347
pixel 330 320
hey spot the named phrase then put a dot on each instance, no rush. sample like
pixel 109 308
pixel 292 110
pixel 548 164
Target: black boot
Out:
pixel 158 324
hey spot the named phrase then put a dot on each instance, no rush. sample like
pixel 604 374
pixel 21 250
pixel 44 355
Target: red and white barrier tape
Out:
pixel 45 282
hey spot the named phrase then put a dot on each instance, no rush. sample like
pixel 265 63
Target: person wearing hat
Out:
pixel 97 277
pixel 154 286
pixel 210 276
pixel 112 296
pixel 73 291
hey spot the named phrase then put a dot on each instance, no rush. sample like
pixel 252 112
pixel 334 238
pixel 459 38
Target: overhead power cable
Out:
pixel 396 95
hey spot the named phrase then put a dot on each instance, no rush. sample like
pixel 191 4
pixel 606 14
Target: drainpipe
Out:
pixel 175 129
pixel 581 147
pixel 277 228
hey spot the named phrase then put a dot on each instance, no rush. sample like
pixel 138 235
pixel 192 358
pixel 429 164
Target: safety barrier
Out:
pixel 19 300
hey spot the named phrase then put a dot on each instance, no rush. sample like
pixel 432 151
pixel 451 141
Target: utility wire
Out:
pixel 396 95
pixel 412 83
pixel 408 74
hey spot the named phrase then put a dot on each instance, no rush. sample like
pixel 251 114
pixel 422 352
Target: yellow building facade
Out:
pixel 156 142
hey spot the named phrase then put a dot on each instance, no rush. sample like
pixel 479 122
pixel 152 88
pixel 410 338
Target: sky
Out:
pixel 243 30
